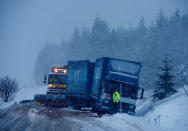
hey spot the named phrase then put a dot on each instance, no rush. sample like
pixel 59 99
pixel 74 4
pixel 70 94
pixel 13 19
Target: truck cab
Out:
pixel 116 85
pixel 56 80
pixel 120 97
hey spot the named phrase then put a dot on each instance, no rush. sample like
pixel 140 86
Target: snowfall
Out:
pixel 170 114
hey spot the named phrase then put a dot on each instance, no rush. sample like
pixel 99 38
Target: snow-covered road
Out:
pixel 34 117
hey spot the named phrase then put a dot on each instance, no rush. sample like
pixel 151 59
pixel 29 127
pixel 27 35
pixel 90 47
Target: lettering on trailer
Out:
pixel 116 97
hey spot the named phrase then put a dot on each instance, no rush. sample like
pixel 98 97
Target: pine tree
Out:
pixel 164 85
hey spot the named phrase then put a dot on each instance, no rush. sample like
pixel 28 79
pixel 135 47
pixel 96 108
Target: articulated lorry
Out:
pixel 107 85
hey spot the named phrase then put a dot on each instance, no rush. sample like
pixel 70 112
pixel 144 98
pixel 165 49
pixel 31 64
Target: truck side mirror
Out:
pixel 142 93
pixel 44 81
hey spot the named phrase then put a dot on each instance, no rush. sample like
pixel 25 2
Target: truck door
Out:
pixel 128 97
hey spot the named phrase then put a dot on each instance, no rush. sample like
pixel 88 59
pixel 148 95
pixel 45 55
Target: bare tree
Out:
pixel 8 88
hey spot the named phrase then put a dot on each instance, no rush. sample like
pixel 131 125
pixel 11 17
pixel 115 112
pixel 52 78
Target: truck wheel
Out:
pixel 77 107
pixel 93 110
pixel 100 113
pixel 46 103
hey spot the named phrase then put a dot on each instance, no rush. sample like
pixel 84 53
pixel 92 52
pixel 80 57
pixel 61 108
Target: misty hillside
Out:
pixel 146 44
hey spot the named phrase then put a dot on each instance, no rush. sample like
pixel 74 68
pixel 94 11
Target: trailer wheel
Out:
pixel 77 107
pixel 100 113
pixel 46 103
pixel 94 109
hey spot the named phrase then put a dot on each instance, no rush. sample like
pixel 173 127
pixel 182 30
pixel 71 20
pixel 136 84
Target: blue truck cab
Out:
pixel 115 85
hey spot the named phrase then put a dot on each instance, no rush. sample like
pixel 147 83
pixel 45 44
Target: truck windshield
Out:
pixel 57 79
pixel 111 87
pixel 128 91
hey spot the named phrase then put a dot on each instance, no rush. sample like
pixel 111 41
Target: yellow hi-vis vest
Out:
pixel 116 97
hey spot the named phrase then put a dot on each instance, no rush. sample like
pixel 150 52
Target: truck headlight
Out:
pixel 65 71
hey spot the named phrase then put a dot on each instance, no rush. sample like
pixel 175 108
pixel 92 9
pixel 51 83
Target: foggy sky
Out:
pixel 26 25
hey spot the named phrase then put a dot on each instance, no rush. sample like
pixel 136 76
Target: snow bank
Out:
pixel 29 92
pixel 170 115
pixel 25 93
pixel 146 105
pixel 121 122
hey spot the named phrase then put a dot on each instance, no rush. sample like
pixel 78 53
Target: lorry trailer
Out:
pixel 79 83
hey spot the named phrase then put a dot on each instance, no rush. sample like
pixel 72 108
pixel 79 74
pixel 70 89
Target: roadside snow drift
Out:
pixel 170 115
pixel 25 93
